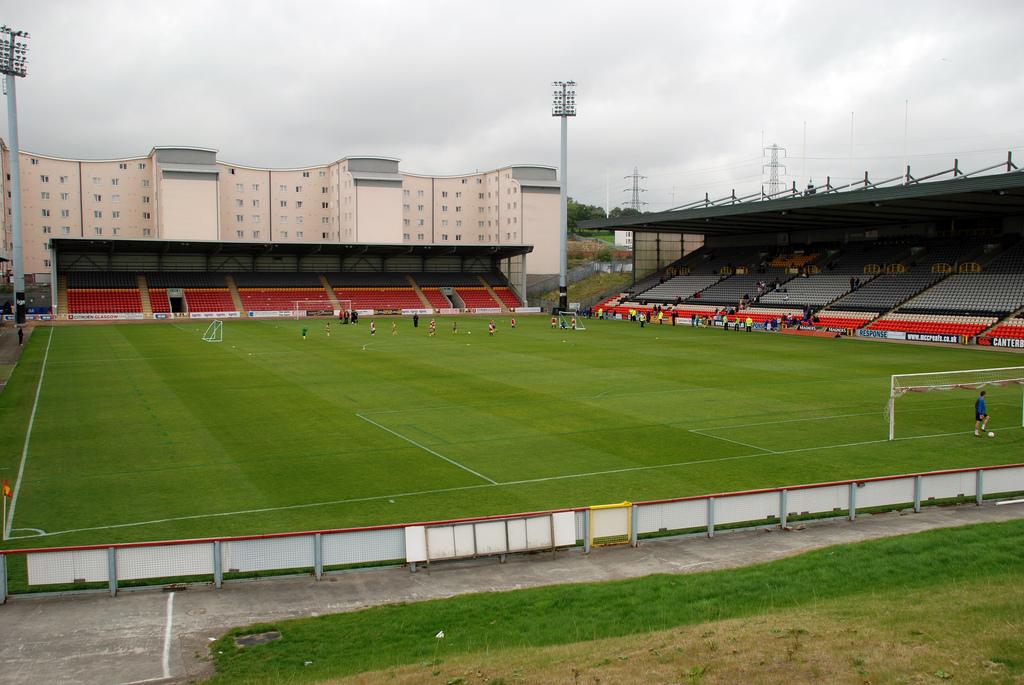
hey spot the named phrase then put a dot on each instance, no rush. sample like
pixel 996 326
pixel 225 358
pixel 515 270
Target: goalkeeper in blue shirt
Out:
pixel 980 414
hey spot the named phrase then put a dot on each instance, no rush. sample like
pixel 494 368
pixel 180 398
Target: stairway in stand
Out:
pixel 62 296
pixel 419 292
pixel 235 297
pixel 494 295
pixel 147 306
pixel 330 292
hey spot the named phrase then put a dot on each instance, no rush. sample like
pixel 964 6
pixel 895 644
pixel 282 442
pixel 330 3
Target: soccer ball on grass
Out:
pixel 991 434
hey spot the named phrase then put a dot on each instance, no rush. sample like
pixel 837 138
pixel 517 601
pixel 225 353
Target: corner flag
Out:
pixel 7 492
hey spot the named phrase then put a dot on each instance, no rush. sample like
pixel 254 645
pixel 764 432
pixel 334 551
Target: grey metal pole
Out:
pixel 19 260
pixel 563 217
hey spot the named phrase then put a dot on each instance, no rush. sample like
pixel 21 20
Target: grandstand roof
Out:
pixel 994 195
pixel 215 247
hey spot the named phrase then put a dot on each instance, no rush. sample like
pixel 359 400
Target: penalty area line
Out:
pixel 697 431
pixel 427 449
pixel 528 481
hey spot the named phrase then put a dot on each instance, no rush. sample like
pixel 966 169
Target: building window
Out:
pixel 97 230
pixel 239 188
pixel 239 234
pixel 405 192
pixel 322 174
pixel 255 234
pixel 145 183
pixel 44 179
pixel 323 190
pixel 34 160
pixel 238 203
pixel 405 207
pixel 458 194
pixel 458 208
pixel 116 231
pixel 145 215
pixel 419 208
pixel 480 237
pixel 284 203
pixel 419 222
pixel 458 222
pixel 65 230
pixel 463 181
pixel 325 205
pixel 97 198
pixel 115 215
pixel 405 222
pixel 47 229
pixel 44 195
pixel 239 218
pixel 458 236
pixel 419 193
pixel 298 189
pixel 323 236
pixel 299 219
pixel 298 204
pixel 46 212
pixel 46 262
pixel 115 198
pixel 255 204
pixel 255 218
pixel 305 174
pixel 406 236
pixel 96 180
pixel 231 171
pixel 142 165
pixel 444 236
pixel 326 220
pixel 65 196
pixel 63 179
pixel 145 199
pixel 283 188
pixel 299 234
pixel 444 223
pixel 97 214
pixel 444 208
pixel 255 187
pixel 147 232
pixel 444 193
pixel 283 234
pixel 114 181
pixel 283 219
pixel 419 236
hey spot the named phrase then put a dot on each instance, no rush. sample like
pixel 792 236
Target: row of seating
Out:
pixel 931 323
pixel 104 301
pixel 1011 328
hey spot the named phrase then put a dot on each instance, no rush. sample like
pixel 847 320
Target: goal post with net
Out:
pixel 970 379
pixel 214 332
pixel 304 308
pixel 571 320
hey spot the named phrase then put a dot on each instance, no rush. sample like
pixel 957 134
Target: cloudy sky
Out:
pixel 687 92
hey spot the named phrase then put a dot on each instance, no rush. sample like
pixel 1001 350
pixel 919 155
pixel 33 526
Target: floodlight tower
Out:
pixel 13 58
pixel 564 106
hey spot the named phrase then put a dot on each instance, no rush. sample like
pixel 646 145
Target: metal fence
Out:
pixel 318 551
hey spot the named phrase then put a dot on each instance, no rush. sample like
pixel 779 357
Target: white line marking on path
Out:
pixel 167 636
pixel 427 449
pixel 697 431
pixel 28 437
pixel 356 500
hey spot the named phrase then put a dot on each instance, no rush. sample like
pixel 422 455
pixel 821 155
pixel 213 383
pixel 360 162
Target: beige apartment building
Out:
pixel 185 193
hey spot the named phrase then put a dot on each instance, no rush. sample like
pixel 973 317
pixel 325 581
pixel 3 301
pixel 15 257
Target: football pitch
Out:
pixel 145 432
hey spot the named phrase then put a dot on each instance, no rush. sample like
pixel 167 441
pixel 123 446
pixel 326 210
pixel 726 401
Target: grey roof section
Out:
pixel 996 195
pixel 539 184
pixel 376 176
pixel 191 168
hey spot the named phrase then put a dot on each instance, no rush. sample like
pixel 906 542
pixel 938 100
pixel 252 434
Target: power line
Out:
pixel 773 166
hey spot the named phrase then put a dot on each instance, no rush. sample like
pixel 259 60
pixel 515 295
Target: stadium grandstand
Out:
pixel 125 279
pixel 939 261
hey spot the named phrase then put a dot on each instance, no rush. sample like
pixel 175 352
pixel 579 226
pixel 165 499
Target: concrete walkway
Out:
pixel 152 635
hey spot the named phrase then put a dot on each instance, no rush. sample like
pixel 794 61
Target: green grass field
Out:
pixel 145 432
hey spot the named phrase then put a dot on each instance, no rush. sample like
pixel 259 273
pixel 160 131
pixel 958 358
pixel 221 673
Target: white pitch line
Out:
pixel 427 449
pixel 357 500
pixel 697 431
pixel 167 636
pixel 28 437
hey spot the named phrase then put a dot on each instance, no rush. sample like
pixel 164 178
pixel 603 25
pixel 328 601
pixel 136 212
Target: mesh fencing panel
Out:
pixel 957 380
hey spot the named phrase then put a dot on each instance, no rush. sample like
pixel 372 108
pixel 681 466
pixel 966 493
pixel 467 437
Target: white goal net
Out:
pixel 1000 384
pixel 304 308
pixel 214 332
pixel 571 320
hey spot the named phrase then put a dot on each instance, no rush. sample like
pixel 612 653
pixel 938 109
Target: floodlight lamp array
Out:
pixel 564 99
pixel 13 52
